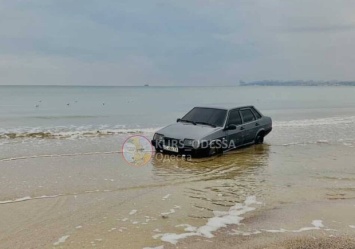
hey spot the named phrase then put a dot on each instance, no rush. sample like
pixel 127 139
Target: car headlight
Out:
pixel 158 137
pixel 192 143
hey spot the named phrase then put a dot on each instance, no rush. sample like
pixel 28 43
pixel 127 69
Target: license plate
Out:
pixel 171 148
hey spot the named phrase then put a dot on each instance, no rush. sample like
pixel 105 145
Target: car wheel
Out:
pixel 214 151
pixel 259 138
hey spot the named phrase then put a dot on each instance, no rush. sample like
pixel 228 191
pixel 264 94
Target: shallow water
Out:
pixel 168 199
pixel 63 183
pixel 75 112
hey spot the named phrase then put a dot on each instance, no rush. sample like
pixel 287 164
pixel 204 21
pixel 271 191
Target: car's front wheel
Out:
pixel 214 150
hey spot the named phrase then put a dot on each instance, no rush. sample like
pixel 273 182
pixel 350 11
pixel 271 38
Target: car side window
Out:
pixel 234 118
pixel 256 113
pixel 247 115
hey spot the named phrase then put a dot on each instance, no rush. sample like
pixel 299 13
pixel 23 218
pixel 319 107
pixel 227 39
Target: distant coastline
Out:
pixel 297 83
pixel 241 83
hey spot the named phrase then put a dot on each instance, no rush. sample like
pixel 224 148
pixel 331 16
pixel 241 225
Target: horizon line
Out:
pixel 125 85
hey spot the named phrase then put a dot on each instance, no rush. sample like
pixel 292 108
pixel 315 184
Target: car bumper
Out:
pixel 267 131
pixel 188 151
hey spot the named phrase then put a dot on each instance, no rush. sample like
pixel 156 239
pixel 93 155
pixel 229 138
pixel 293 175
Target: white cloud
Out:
pixel 175 42
pixel 41 70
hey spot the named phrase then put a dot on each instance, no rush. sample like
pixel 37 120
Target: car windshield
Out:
pixel 208 116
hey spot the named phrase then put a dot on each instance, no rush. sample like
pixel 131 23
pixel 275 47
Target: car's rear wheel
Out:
pixel 259 138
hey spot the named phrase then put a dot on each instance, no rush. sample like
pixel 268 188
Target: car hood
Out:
pixel 187 130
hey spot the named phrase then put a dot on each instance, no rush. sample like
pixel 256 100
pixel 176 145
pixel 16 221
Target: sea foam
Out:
pixel 221 219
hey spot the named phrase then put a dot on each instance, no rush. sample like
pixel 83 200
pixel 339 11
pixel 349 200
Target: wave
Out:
pixel 72 132
pixel 221 219
pixel 69 133
pixel 347 143
pixel 27 198
pixel 316 122
pixel 58 155
pixel 307 143
pixel 67 117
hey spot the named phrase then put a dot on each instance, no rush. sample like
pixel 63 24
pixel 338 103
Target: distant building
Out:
pixel 297 83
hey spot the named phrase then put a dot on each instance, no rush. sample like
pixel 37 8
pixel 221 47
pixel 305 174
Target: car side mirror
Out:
pixel 231 127
pixel 178 120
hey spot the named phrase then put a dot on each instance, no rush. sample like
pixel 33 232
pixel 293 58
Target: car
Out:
pixel 207 131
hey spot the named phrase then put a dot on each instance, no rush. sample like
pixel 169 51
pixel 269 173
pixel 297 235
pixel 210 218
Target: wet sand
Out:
pixel 287 227
pixel 304 198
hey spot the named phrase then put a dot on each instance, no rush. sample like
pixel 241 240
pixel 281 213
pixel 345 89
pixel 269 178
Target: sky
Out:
pixel 180 42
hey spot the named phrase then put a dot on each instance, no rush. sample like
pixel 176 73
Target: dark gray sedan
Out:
pixel 207 131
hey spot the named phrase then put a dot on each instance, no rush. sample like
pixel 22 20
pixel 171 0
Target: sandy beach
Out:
pixel 98 200
pixel 64 182
pixel 252 103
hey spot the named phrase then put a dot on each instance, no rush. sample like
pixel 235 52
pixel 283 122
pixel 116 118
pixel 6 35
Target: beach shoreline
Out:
pixel 99 200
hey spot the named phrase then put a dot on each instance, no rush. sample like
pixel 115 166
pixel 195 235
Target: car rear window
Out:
pixel 256 113
pixel 247 115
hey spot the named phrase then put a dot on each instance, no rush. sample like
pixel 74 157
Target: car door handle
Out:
pixel 242 128
pixel 257 124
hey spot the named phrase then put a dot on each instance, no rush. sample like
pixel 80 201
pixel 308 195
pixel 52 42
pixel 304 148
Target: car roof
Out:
pixel 225 107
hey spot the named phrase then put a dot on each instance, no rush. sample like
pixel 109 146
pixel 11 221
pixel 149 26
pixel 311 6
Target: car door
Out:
pixel 250 126
pixel 234 136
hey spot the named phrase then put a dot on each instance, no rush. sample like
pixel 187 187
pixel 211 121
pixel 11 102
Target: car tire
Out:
pixel 259 138
pixel 214 151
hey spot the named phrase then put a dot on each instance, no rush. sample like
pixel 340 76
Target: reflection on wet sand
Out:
pixel 216 182
pixel 228 166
